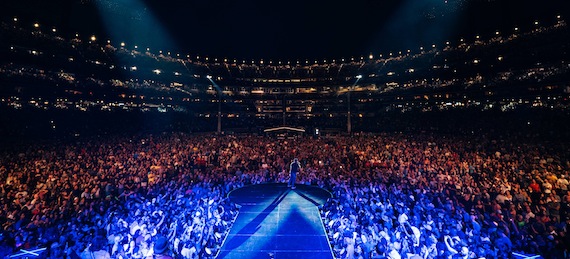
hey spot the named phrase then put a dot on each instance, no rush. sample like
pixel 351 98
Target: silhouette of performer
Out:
pixel 294 168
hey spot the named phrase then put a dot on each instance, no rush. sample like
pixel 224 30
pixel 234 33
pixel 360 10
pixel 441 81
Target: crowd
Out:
pixel 449 198
pixel 394 196
pixel 115 199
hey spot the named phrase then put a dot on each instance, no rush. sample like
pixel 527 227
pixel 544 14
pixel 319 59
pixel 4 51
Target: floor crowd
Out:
pixel 394 195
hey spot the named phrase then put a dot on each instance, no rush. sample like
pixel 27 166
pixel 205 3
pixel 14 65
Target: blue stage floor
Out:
pixel 277 222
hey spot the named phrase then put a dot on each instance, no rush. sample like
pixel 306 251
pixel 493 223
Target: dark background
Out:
pixel 282 30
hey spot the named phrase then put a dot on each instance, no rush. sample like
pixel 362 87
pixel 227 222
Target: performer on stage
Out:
pixel 294 168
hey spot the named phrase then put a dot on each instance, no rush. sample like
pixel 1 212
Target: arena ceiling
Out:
pixel 292 29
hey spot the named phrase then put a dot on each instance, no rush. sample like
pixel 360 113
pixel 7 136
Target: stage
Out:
pixel 277 222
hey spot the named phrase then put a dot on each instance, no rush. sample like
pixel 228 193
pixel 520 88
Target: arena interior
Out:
pixel 167 129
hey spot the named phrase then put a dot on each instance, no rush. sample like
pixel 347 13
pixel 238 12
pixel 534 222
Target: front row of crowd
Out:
pixel 394 196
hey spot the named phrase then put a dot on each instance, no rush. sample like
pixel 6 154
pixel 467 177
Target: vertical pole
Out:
pixel 348 122
pixel 348 114
pixel 219 114
pixel 284 110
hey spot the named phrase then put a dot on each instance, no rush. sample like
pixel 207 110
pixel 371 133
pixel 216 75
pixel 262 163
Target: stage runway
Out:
pixel 277 222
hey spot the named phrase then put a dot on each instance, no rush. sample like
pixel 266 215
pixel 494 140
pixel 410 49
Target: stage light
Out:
pixel 53 30
pixel 358 76
pixel 93 38
pixel 370 56
pixel 36 25
pixel 122 44
pixel 116 23
pixel 209 76
pixel 15 19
